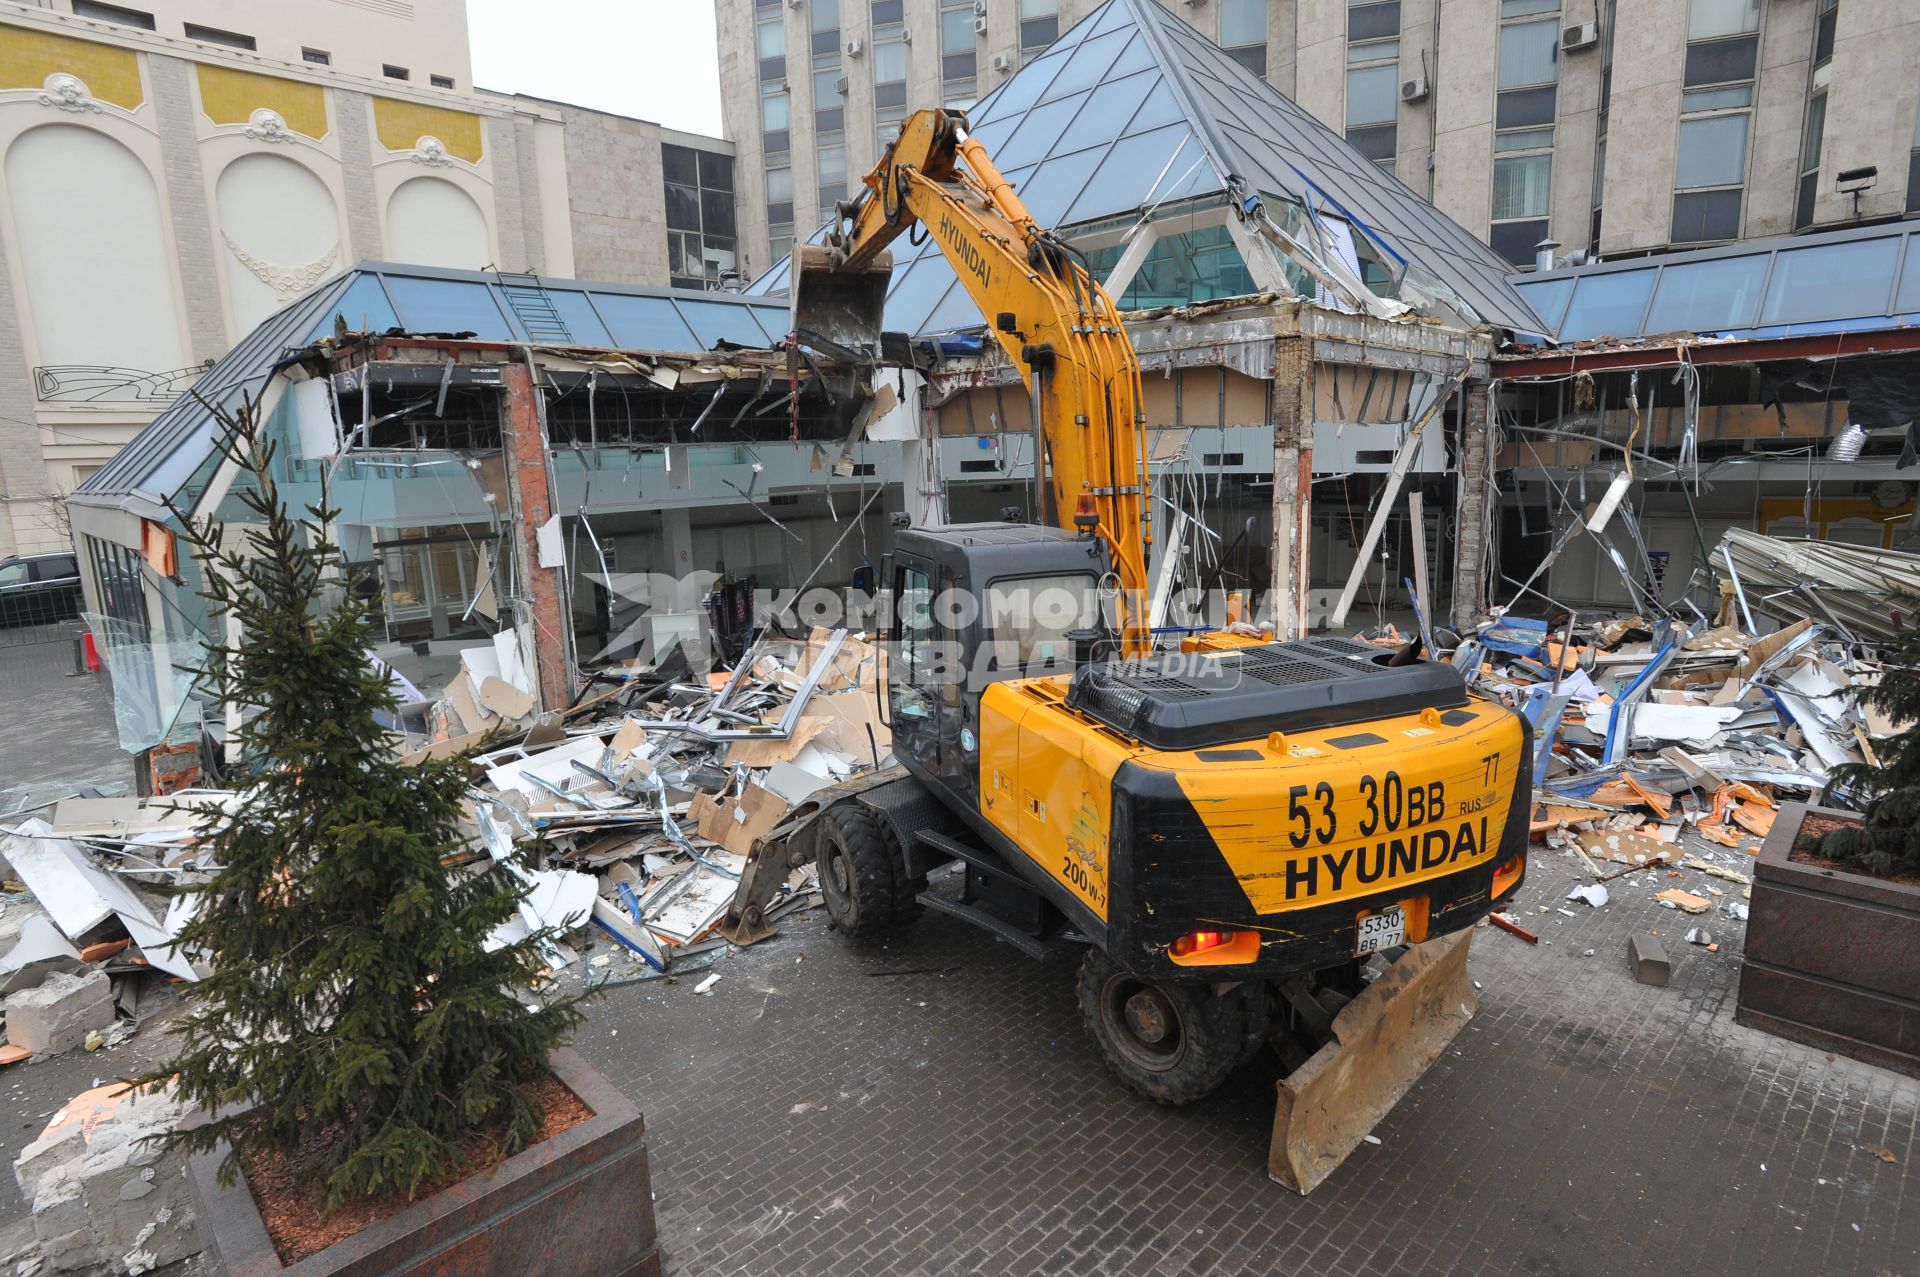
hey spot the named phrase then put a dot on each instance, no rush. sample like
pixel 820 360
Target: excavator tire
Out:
pixel 906 887
pixel 858 871
pixel 1173 1043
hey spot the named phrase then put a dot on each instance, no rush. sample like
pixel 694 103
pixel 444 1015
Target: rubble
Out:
pixel 57 1015
pixel 103 1196
pixel 1664 745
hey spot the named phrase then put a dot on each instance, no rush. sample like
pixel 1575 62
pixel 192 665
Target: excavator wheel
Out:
pixel 859 872
pixel 1173 1043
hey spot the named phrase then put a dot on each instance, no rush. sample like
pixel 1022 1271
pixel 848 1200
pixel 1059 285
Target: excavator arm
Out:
pixel 1054 320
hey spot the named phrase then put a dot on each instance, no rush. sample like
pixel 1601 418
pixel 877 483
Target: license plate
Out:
pixel 1379 931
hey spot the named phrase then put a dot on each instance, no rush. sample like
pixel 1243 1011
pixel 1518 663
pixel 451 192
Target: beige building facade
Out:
pixel 1606 126
pixel 174 171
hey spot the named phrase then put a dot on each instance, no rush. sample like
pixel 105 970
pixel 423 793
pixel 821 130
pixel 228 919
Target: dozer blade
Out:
pixel 844 306
pixel 1383 1041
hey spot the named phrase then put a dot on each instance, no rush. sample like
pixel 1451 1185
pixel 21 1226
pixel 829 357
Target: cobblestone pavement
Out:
pixel 929 1105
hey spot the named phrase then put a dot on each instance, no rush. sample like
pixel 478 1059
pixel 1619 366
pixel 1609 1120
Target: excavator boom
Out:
pixel 1053 319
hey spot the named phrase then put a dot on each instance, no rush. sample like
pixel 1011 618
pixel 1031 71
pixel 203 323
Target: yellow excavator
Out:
pixel 1257 843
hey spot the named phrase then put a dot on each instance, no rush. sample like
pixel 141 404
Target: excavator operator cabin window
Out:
pixel 913 599
pixel 1029 617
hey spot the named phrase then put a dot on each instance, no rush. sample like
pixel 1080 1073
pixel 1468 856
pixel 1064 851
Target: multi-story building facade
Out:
pixel 1606 126
pixel 176 170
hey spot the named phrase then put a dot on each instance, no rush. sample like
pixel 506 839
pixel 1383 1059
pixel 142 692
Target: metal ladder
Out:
pixel 533 307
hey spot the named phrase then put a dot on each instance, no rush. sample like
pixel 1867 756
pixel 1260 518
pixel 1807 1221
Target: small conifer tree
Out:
pixel 354 1014
pixel 1889 841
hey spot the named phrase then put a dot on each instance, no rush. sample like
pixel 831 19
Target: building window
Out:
pixel 774 107
pixel 889 65
pixel 1723 41
pixel 113 13
pixel 1373 80
pixel 959 59
pixel 829 88
pixel 823 20
pixel 701 231
pixel 1243 33
pixel 1606 56
pixel 830 158
pixel 1716 118
pixel 441 81
pixel 887 122
pixel 1599 188
pixel 1372 21
pixel 780 197
pixel 1816 123
pixel 393 72
pixel 1713 19
pixel 772 43
pixel 1526 95
pixel 1810 137
pixel 319 57
pixel 1039 24
pixel 1823 25
pixel 214 35
pixel 1913 169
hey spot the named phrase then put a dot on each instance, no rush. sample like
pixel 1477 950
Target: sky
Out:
pixel 652 59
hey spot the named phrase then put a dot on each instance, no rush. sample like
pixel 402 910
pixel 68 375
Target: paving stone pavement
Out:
pixel 928 1104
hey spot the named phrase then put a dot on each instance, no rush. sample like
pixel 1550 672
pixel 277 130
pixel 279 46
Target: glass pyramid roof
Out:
pixel 1109 122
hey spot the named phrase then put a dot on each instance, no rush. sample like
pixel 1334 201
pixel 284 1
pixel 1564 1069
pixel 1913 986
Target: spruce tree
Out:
pixel 353 1006
pixel 1889 841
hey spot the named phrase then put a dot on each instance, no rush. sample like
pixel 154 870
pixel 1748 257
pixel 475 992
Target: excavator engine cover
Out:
pixel 844 306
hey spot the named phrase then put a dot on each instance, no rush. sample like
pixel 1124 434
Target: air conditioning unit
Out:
pixel 980 8
pixel 979 26
pixel 906 35
pixel 1415 90
pixel 796 4
pixel 1003 62
pixel 840 86
pixel 1581 35
pixel 855 48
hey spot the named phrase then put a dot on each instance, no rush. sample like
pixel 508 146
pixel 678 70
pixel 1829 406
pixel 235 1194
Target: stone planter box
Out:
pixel 1832 958
pixel 579 1203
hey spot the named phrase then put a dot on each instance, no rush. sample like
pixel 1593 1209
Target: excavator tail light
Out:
pixel 1215 948
pixel 1508 875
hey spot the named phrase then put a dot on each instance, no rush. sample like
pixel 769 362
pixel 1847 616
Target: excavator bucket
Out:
pixel 1383 1041
pixel 840 304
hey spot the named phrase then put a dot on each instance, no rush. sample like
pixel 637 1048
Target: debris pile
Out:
pixel 638 805
pixel 645 799
pixel 1662 751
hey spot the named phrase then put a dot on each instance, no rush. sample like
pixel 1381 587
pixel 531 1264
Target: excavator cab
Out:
pixel 976 604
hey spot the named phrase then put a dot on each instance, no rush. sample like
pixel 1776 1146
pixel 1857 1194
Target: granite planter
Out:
pixel 1832 958
pixel 577 1204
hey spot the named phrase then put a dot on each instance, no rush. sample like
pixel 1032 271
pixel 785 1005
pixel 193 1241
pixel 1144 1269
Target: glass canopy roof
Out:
pixel 1859 278
pixel 377 296
pixel 1108 122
